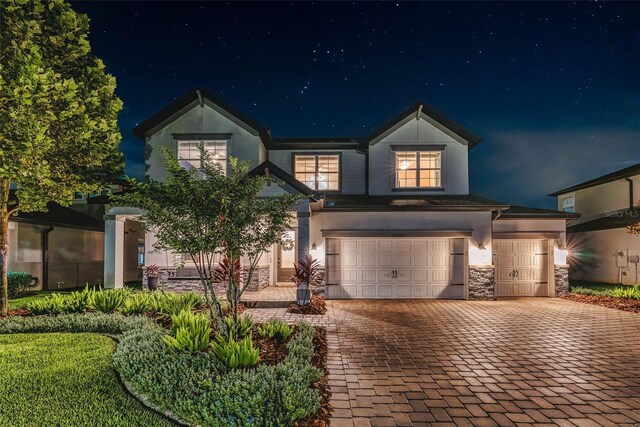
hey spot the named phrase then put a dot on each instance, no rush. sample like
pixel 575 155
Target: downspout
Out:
pixel 630 181
pixel 45 256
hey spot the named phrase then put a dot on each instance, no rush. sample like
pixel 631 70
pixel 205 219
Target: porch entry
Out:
pixel 287 255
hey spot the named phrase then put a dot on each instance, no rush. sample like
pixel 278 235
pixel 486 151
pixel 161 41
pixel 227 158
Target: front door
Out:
pixel 286 257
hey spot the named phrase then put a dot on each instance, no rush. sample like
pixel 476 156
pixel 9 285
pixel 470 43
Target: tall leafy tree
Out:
pixel 58 112
pixel 219 221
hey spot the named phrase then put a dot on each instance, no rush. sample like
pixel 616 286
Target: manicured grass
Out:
pixel 65 380
pixel 32 296
pixel 596 286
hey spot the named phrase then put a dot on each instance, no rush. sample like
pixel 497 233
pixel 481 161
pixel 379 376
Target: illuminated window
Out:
pixel 319 172
pixel 418 169
pixel 190 156
pixel 569 204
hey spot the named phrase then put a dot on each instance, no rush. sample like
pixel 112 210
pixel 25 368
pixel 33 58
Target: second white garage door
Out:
pixel 521 267
pixel 394 268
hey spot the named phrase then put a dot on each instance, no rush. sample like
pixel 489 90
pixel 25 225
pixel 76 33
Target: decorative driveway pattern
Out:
pixel 531 361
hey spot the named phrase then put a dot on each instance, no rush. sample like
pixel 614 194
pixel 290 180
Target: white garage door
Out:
pixel 395 268
pixel 521 267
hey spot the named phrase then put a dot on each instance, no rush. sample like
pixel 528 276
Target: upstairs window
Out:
pixel 569 204
pixel 189 154
pixel 418 169
pixel 320 172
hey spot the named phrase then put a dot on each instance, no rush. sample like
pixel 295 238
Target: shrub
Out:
pixel 197 387
pixel 19 282
pixel 137 303
pixel 296 373
pixel 236 354
pixel 236 327
pixel 169 304
pixel 79 302
pixel 53 304
pixel 191 332
pixel 275 329
pixel 87 322
pixel 627 293
pixel 109 301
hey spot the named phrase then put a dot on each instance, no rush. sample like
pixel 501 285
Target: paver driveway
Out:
pixel 531 361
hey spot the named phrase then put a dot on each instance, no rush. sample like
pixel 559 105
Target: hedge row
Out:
pixel 196 387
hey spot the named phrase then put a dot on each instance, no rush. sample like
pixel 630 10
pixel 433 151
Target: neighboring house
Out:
pixel 62 247
pixel 601 248
pixel 389 214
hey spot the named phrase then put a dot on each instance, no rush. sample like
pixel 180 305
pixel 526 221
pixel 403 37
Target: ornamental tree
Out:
pixel 58 112
pixel 220 222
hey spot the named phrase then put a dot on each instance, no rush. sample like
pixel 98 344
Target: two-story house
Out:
pixel 388 214
pixel 602 249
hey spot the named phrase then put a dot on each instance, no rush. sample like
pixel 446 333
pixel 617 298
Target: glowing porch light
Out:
pixel 560 256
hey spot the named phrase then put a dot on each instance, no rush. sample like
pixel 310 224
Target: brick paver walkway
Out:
pixel 532 361
pixel 272 293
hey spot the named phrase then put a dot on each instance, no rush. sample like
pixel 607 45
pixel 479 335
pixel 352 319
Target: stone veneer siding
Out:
pixel 561 273
pixel 481 283
pixel 319 289
pixel 189 282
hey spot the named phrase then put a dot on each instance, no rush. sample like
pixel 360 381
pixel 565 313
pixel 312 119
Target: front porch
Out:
pixel 179 274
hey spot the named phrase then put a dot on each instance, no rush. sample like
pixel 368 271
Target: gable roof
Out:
pixel 610 177
pixel 515 212
pixel 191 99
pixel 267 168
pixel 423 109
pixel 199 96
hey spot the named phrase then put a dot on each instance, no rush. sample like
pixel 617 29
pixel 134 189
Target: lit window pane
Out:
pixel 189 155
pixel 418 169
pixel 321 172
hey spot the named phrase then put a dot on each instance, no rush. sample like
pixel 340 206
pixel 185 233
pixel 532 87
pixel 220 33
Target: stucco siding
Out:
pixel 244 145
pixel 479 222
pixel 594 202
pixel 352 172
pixel 594 255
pixel 455 177
pixel 531 226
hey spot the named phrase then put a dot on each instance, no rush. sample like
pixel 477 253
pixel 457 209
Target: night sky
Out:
pixel 552 88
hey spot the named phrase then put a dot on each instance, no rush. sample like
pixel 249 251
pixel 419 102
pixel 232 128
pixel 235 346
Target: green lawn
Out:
pixel 23 301
pixel 63 379
pixel 596 286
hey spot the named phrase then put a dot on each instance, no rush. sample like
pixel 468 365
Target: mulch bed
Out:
pixel 323 416
pixel 632 305
pixel 271 352
pixel 316 306
pixel 19 312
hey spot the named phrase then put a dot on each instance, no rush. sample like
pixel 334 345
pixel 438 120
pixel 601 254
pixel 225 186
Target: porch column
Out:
pixel 113 252
pixel 302 245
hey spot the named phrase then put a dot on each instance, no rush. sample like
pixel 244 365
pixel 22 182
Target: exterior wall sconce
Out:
pixel 481 246
pixel 313 246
